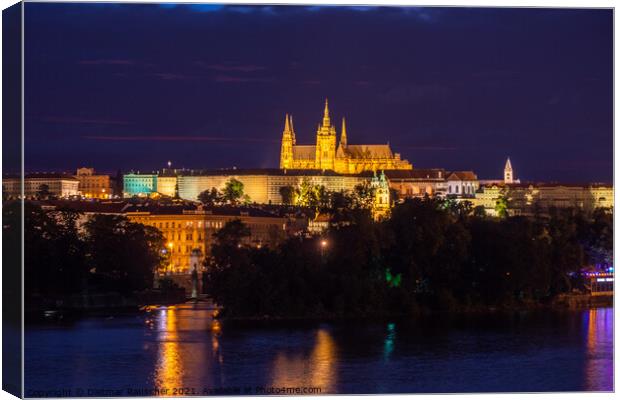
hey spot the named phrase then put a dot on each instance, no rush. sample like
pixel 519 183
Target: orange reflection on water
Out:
pixel 216 330
pixel 599 344
pixel 169 371
pixel 317 370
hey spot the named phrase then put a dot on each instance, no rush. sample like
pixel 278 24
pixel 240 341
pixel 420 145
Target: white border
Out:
pixel 457 3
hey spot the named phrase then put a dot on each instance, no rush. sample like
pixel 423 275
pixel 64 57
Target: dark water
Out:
pixel 179 347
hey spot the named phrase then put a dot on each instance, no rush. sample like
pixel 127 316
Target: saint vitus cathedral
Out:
pixel 340 157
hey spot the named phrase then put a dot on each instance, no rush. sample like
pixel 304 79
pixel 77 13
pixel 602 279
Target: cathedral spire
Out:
pixel 343 135
pixel 326 121
pixel 292 128
pixel 287 125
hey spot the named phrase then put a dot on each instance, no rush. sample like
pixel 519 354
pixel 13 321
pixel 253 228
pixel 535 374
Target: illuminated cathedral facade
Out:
pixel 331 154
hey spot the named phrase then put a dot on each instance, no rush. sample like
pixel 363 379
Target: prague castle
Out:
pixel 340 157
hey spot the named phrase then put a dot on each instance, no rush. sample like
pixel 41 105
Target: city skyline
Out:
pixel 451 88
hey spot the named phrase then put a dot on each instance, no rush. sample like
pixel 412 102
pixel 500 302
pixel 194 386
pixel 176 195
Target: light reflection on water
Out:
pixel 171 347
pixel 170 369
pixel 599 366
pixel 315 370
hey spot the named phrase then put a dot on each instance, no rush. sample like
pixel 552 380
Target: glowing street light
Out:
pixel 323 246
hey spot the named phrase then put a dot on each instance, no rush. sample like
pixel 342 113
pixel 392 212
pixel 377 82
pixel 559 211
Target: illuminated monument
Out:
pixel 340 157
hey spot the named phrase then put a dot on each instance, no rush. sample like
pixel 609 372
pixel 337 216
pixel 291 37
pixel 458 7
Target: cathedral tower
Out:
pixel 508 174
pixel 343 134
pixel 381 204
pixel 288 140
pixel 325 143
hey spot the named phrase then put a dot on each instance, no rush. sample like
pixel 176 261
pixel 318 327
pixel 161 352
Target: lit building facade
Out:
pixel 462 184
pixel 329 154
pixel 166 185
pixel 57 185
pixel 139 184
pixel 92 185
pixel 417 182
pixel 263 185
pixel 526 199
pixel 144 185
pixel 188 228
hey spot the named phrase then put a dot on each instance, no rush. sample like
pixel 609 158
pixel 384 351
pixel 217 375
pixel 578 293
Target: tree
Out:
pixel 364 196
pixel 54 257
pixel 118 183
pixel 501 206
pixel 307 194
pixel 44 191
pixel 233 191
pixel 480 212
pixel 288 194
pixel 122 255
pixel 210 197
pixel 394 195
pixel 232 233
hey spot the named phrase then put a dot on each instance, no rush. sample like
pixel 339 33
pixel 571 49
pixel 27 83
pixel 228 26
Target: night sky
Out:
pixel 131 86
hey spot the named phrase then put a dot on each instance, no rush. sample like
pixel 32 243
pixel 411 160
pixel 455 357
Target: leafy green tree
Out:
pixel 431 254
pixel 501 206
pixel 363 196
pixel 567 253
pixel 307 194
pixel 233 191
pixel 122 255
pixel 210 197
pixel 54 255
pixel 288 194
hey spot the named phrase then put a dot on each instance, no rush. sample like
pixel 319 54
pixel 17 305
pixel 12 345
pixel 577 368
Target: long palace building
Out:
pixel 340 157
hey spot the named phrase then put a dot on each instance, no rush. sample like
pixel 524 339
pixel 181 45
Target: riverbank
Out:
pixel 562 302
pixel 98 304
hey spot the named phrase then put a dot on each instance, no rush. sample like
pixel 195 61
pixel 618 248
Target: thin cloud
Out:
pixel 239 79
pixel 107 61
pixel 232 68
pixel 79 120
pixel 169 76
pixel 180 139
pixel 437 148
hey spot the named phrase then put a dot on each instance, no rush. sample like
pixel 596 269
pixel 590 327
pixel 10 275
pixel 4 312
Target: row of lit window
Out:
pixel 186 249
pixel 188 224
pixel 466 189
pixel 188 236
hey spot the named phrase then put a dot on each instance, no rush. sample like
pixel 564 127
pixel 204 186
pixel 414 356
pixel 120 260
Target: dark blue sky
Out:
pixel 131 86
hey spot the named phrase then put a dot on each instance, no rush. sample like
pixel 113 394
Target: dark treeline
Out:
pixel 109 254
pixel 430 255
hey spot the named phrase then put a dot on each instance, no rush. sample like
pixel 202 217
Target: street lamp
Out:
pixel 323 246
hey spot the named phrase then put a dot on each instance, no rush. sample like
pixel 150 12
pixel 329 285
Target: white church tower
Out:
pixel 508 174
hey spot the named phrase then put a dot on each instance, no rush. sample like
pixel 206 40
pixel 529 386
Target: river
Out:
pixel 180 350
